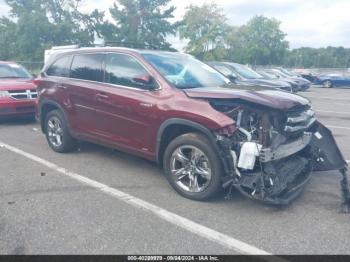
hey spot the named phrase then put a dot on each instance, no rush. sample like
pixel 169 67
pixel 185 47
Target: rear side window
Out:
pixel 60 67
pixel 87 67
pixel 124 70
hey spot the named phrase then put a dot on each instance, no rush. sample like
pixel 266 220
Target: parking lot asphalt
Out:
pixel 45 210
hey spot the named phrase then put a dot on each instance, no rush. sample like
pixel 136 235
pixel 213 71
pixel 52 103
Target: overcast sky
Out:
pixel 314 23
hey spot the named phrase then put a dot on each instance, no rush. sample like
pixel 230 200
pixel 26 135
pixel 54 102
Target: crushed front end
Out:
pixel 270 154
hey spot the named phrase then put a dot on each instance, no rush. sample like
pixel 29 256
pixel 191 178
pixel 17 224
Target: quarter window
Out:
pixel 87 67
pixel 60 67
pixel 125 70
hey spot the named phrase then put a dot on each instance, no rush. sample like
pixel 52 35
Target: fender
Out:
pixel 209 134
pixel 52 103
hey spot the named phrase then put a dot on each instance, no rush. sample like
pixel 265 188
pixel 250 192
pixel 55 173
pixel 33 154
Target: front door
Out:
pixel 127 110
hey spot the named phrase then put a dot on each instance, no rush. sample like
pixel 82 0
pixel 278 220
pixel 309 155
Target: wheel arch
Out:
pixel 47 106
pixel 328 80
pixel 175 127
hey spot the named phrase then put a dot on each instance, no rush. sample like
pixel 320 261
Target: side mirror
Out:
pixel 145 81
pixel 232 77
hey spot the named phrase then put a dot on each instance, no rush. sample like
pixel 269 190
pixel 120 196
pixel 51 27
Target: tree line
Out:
pixel 35 25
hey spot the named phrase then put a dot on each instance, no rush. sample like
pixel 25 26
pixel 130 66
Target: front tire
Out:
pixel 57 133
pixel 192 167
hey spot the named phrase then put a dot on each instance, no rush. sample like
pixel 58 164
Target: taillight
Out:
pixel 37 81
pixel 227 130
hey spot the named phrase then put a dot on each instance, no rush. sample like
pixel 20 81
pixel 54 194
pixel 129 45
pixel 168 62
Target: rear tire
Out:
pixel 57 133
pixel 327 84
pixel 192 167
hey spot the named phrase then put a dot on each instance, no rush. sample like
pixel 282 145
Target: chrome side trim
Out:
pixel 284 150
pixel 30 94
pixel 300 127
pixel 304 116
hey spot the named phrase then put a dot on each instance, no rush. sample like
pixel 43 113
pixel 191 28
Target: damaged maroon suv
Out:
pixel 207 133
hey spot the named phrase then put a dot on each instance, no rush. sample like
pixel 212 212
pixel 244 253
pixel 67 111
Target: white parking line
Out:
pixel 328 98
pixel 338 127
pixel 328 111
pixel 331 102
pixel 189 225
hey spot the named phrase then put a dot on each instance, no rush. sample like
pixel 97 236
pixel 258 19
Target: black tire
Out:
pixel 202 143
pixel 68 143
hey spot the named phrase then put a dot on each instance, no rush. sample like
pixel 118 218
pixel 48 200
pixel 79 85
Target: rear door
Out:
pixel 86 75
pixel 127 103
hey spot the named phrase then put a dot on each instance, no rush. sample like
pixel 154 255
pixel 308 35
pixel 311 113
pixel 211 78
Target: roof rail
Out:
pixel 62 47
pixel 129 44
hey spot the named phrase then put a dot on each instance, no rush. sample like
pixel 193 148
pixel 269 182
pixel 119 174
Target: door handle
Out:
pixel 61 86
pixel 102 96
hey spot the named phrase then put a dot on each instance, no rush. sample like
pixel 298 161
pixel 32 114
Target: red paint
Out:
pixel 129 119
pixel 16 107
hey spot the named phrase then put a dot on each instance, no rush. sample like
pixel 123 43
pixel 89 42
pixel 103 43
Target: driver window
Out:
pixel 125 70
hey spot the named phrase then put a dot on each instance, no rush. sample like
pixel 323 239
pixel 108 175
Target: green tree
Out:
pixel 307 57
pixel 35 25
pixel 7 39
pixel 142 23
pixel 236 49
pixel 205 28
pixel 264 42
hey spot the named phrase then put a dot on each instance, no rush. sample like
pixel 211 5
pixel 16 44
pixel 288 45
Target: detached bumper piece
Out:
pixel 325 149
pixel 327 156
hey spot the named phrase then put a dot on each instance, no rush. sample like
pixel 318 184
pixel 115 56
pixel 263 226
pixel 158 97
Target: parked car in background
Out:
pixel 244 75
pixel 293 83
pixel 17 91
pixel 306 73
pixel 288 72
pixel 332 80
pixel 206 132
pixel 303 84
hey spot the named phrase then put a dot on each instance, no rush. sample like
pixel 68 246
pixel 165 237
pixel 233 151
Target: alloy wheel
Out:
pixel 327 84
pixel 190 168
pixel 55 131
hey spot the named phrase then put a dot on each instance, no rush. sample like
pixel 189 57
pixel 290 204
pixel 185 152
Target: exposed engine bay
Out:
pixel 270 153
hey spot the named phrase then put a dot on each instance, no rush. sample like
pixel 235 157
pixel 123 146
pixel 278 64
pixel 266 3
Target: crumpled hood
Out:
pixel 269 97
pixel 16 84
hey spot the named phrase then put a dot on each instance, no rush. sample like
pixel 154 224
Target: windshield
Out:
pixel 285 71
pixel 13 71
pixel 246 72
pixel 183 71
pixel 280 73
pixel 267 75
